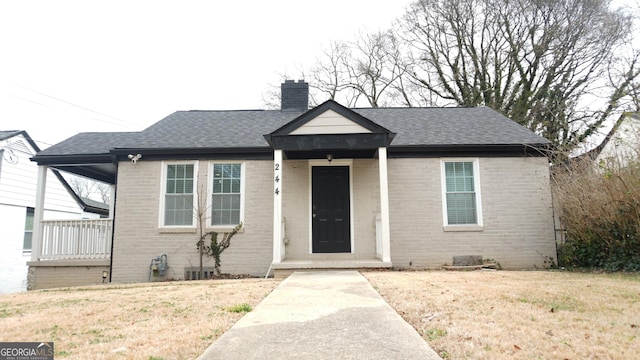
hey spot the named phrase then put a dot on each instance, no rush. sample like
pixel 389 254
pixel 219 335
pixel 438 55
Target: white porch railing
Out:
pixel 75 239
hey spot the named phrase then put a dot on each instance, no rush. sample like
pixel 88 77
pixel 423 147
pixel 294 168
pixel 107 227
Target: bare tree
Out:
pixel 537 61
pixel 368 70
pixel 330 78
pixel 88 188
pixel 217 244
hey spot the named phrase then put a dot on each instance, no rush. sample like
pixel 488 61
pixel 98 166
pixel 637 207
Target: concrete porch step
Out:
pixel 288 267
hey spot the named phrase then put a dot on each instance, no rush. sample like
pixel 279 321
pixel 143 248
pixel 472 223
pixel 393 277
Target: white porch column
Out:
pixel 278 251
pixel 112 200
pixel 384 205
pixel 36 237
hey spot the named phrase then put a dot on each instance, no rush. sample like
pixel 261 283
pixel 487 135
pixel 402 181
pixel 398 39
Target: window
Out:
pixel 28 230
pixel 461 194
pixel 179 194
pixel 226 193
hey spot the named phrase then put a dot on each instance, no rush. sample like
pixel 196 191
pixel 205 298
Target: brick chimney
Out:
pixel 294 96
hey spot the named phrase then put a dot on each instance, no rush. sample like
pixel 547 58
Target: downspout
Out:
pixel 114 160
pixel 553 214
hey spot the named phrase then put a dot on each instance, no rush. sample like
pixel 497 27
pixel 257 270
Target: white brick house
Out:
pixel 329 187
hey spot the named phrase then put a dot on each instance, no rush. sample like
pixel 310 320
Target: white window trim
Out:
pixel 208 224
pixel 476 184
pixel 338 162
pixel 163 186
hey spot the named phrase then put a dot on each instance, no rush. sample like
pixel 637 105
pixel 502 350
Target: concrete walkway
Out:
pixel 321 315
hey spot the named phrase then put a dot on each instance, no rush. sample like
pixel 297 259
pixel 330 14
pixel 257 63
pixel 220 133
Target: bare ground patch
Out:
pixel 173 320
pixel 518 314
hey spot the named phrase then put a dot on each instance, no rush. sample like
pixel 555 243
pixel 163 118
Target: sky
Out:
pixel 80 66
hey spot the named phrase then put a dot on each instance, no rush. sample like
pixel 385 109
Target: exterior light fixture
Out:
pixel 134 158
pixel 105 273
pixel 329 157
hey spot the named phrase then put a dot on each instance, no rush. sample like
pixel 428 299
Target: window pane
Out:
pixel 468 184
pixel 28 229
pixel 178 199
pixel 28 223
pixel 225 209
pixel 448 168
pixel 180 179
pixel 461 209
pixel 235 217
pixel 217 171
pixel 217 186
pixel 460 193
pixel 225 202
pixel 178 210
pixel 171 186
pixel 235 186
pixel 236 171
pixel 179 186
pixel 26 244
pixel 235 202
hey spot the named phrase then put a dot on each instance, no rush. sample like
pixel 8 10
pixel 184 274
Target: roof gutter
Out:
pixel 484 150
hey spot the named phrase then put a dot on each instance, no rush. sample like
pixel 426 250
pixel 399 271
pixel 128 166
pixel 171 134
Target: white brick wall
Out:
pixel 138 238
pixel 516 206
pixel 517 232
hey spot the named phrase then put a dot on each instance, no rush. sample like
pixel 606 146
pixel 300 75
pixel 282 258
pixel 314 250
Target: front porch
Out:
pixel 331 186
pixel 68 252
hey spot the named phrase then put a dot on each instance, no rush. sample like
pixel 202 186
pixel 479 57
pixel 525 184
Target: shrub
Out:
pixel 599 206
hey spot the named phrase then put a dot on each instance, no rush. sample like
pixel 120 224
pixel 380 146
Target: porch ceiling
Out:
pixel 98 167
pixel 336 154
pixel 101 172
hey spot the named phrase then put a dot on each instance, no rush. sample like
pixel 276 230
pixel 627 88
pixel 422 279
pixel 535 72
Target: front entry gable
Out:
pixel 330 126
pixel 330 122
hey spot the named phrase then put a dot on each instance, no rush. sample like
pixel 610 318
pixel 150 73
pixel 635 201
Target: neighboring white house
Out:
pixel 621 144
pixel 18 181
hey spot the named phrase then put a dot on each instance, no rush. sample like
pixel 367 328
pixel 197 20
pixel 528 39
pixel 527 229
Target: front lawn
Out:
pixel 462 315
pixel 518 314
pixel 169 320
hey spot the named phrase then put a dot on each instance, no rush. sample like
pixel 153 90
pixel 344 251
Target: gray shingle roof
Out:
pixel 215 129
pixel 451 126
pixel 245 129
pixel 91 143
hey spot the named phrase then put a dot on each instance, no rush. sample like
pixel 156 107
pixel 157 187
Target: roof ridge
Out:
pixel 239 110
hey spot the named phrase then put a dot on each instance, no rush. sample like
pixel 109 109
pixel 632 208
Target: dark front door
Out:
pixel 330 209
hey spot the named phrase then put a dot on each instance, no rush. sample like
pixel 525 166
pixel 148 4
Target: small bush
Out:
pixel 599 206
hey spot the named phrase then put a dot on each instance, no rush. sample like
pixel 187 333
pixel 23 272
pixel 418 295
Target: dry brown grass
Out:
pixel 176 320
pixel 463 315
pixel 521 315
